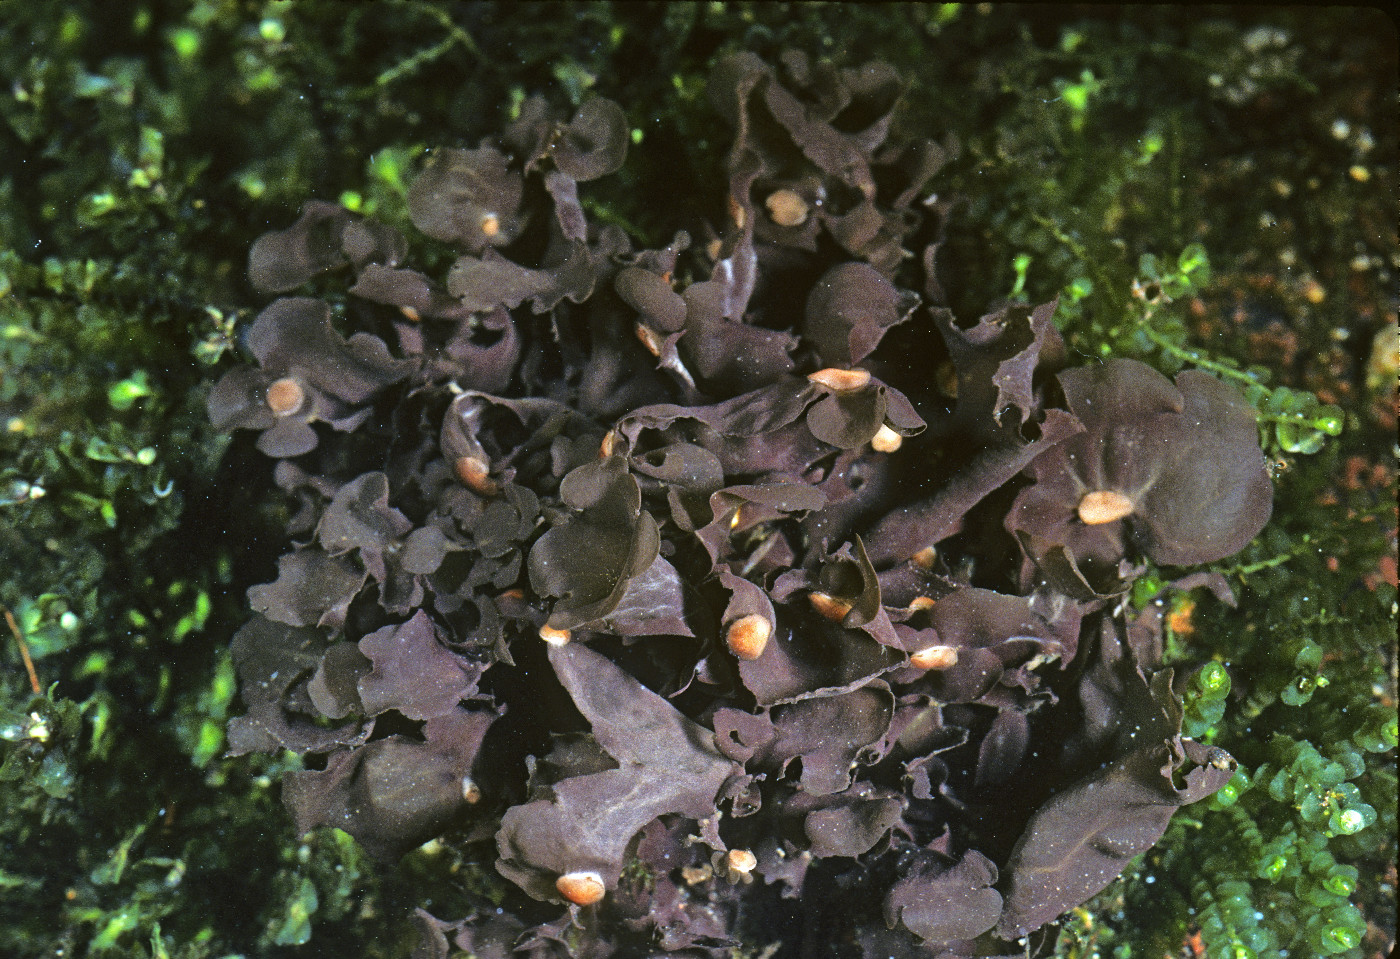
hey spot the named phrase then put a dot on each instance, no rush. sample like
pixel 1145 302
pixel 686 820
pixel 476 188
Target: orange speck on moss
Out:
pixel 1387 571
pixel 1179 619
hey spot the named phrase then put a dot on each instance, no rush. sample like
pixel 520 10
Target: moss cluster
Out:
pixel 1103 156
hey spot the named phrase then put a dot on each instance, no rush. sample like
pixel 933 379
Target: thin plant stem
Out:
pixel 23 651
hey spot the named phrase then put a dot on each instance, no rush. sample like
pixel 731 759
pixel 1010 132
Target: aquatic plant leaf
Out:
pixel 651 296
pixel 238 401
pixel 821 658
pixel 294 335
pixel 940 903
pixel 406 289
pixel 803 731
pixel 468 197
pixel 424 549
pixel 281 260
pixel 1082 838
pixel 1184 460
pixel 273 661
pixel 311 589
pixel 586 561
pixel 487 281
pixel 594 143
pixel 334 689
pixel 413 672
pixel 359 517
pixel 849 310
pixel 393 793
pixel 667 764
pixel 851 828
pixel 905 531
pixel 653 604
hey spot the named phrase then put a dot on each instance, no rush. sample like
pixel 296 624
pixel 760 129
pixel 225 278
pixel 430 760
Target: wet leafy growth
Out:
pixel 673 500
pixel 693 575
